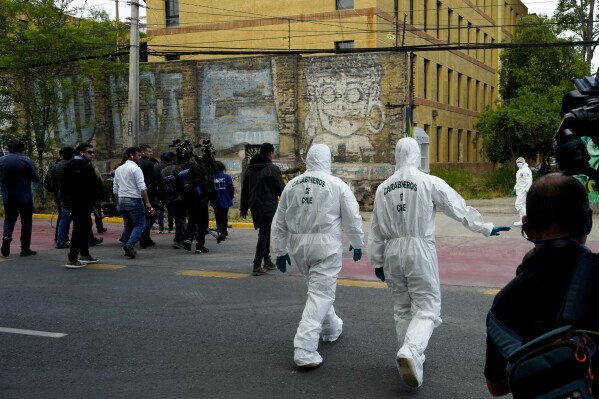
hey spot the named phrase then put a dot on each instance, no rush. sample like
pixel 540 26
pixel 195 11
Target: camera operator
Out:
pixel 197 189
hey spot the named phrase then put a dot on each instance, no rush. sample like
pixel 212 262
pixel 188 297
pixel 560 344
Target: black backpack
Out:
pixel 169 185
pixel 557 364
pixel 50 183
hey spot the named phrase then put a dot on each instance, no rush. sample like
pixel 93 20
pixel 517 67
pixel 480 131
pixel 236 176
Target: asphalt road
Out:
pixel 147 331
pixel 173 324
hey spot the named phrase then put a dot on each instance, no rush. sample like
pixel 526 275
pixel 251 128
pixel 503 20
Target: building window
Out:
pixel 172 12
pixel 426 75
pixel 450 33
pixel 450 87
pixel 344 45
pixel 461 87
pixel 438 20
pixel 469 100
pixel 345 4
pixel 172 57
pixel 425 15
pixel 440 84
pixel 460 23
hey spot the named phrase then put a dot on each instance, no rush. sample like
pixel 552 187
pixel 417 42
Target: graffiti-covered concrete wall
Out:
pixel 353 103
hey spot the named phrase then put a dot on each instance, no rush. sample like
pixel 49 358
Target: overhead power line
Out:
pixel 413 48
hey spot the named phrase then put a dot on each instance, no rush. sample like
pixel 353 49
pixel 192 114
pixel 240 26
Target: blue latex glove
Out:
pixel 513 192
pixel 497 229
pixel 380 273
pixel 357 253
pixel 281 262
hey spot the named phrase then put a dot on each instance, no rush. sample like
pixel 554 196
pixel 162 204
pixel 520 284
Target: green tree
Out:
pixel 532 82
pixel 46 56
pixel 579 18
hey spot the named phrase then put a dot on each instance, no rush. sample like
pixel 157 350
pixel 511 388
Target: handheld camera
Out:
pixel 580 110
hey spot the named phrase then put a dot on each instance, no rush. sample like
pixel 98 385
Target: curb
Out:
pixel 243 225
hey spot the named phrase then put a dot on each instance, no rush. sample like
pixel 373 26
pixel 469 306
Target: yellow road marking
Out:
pixel 359 283
pixel 104 266
pixel 5 259
pixel 491 291
pixel 203 273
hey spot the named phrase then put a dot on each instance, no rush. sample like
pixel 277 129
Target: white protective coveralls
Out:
pixel 307 226
pixel 523 183
pixel 402 241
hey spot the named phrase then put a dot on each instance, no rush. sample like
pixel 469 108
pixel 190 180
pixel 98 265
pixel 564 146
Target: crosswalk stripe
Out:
pixel 491 291
pixel 32 332
pixel 104 266
pixel 361 283
pixel 203 273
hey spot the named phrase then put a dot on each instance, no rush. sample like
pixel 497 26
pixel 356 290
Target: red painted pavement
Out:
pixel 466 261
pixel 463 260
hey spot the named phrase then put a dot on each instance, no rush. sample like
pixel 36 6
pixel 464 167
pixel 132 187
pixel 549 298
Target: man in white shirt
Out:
pixel 131 194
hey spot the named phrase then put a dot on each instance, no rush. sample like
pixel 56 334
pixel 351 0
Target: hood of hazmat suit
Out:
pixel 308 226
pixel 402 241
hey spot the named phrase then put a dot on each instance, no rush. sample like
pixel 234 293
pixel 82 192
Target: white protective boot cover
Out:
pixel 332 327
pixel 410 356
pixel 304 358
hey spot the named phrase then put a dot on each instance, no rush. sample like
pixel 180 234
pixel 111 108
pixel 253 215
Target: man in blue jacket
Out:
pixel 17 172
pixel 224 192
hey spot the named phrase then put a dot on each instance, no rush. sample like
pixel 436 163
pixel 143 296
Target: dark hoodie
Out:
pixel 79 184
pixel 262 186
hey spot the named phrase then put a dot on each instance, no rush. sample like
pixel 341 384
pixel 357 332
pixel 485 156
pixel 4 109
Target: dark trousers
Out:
pixel 222 220
pixel 263 245
pixel 12 211
pixel 82 225
pixel 179 212
pixel 98 217
pixel 197 221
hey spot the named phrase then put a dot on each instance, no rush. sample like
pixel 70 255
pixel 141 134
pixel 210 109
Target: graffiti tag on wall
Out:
pixel 160 104
pixel 237 105
pixel 77 122
pixel 344 105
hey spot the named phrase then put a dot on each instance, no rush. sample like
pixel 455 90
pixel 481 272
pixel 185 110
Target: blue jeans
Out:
pixel 64 225
pixel 134 216
pixel 11 212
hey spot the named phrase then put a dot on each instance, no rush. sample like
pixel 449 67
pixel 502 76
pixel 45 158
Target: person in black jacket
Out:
pixel 147 167
pixel 262 185
pixel 558 222
pixel 80 189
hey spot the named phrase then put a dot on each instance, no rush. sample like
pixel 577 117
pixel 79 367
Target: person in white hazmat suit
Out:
pixel 523 183
pixel 306 230
pixel 401 248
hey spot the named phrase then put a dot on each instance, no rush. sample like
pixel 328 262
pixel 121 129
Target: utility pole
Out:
pixel 133 120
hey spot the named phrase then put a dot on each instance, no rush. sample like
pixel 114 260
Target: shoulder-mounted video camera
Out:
pixel 206 149
pixel 181 146
pixel 580 110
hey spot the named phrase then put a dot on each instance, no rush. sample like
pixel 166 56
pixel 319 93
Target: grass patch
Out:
pixel 498 184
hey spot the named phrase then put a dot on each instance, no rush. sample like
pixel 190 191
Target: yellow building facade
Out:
pixel 452 83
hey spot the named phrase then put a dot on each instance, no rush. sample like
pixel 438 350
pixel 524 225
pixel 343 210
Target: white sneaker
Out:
pixel 518 223
pixel 304 358
pixel 409 371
